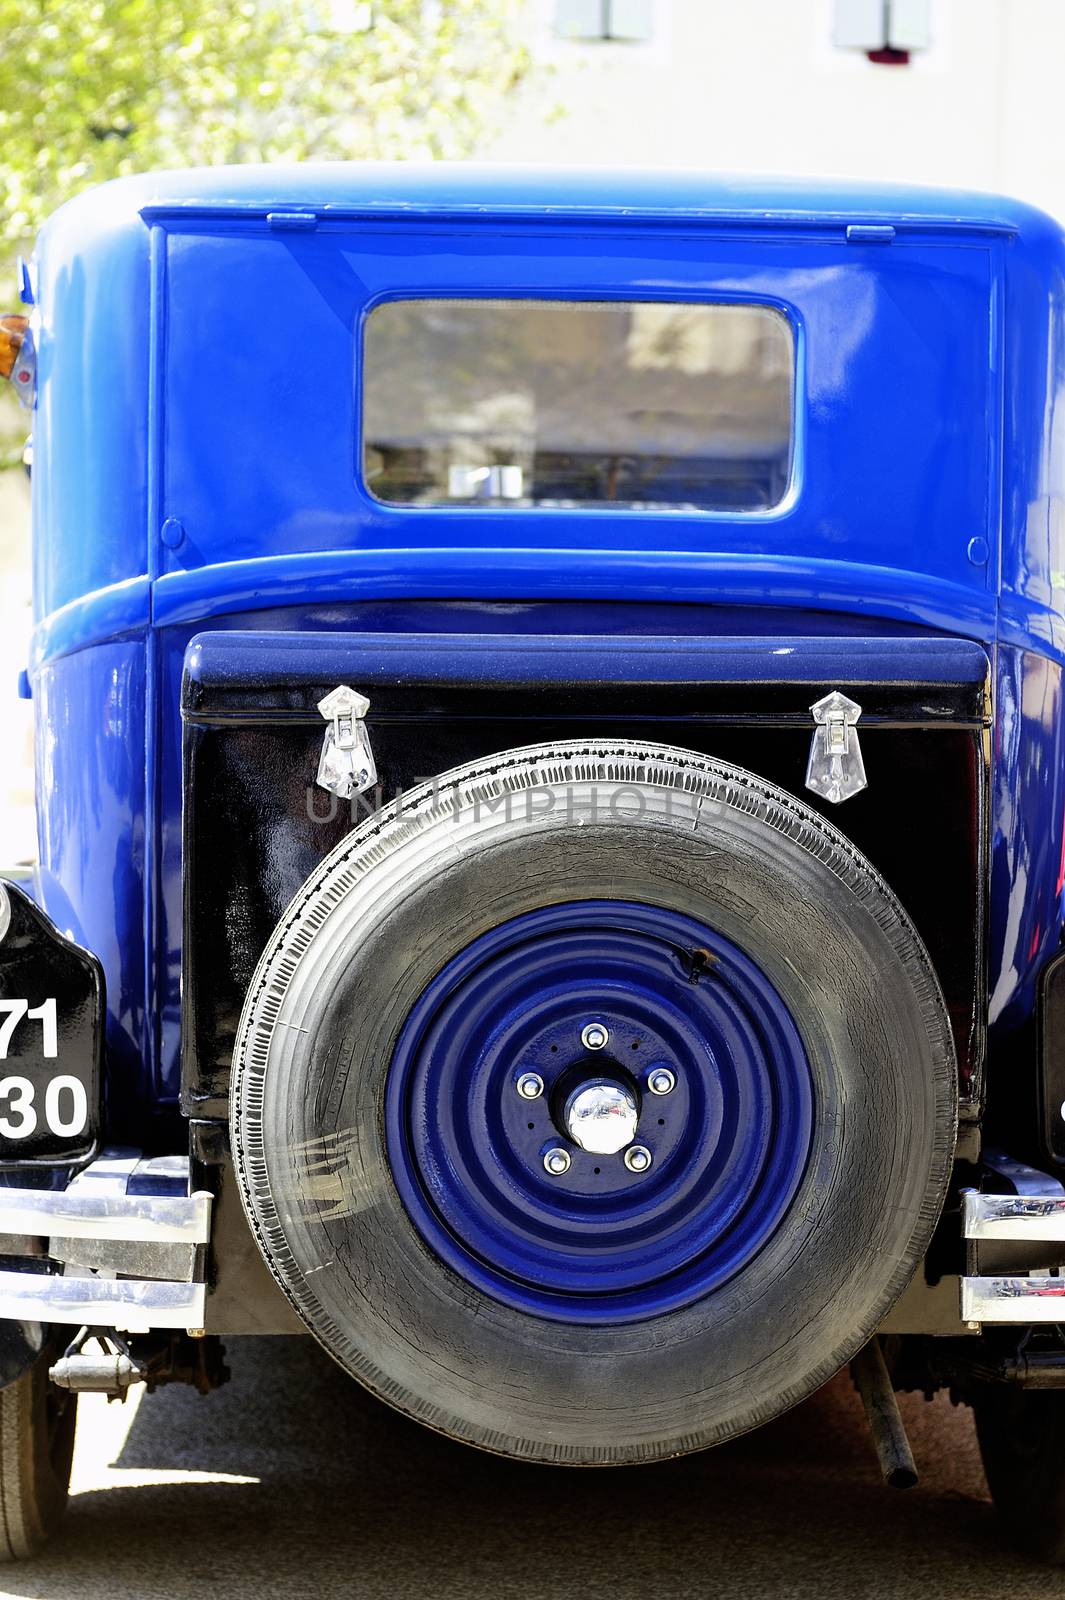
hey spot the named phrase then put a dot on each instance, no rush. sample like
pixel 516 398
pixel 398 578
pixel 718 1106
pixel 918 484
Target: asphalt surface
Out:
pixel 292 1482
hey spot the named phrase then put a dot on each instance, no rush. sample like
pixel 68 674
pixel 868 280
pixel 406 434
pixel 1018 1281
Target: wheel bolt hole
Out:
pixel 532 1124
pixel 661 1122
pixel 597 1170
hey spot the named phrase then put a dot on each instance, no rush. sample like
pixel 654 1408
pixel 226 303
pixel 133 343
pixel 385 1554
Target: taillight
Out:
pixel 17 356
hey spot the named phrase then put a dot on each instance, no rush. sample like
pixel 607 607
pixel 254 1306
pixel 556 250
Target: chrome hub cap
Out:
pixel 601 1116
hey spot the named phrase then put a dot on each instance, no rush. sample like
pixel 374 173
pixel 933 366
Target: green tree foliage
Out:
pixel 91 89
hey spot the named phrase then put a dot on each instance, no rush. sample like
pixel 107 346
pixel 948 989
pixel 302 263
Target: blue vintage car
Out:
pixel 551 782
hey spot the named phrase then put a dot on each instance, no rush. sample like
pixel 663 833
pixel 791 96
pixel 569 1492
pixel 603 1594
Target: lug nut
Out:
pixel 557 1162
pixel 661 1081
pixel 638 1158
pixel 530 1086
pixel 594 1036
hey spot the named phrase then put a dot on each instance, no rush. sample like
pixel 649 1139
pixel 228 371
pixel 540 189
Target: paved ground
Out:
pixel 293 1483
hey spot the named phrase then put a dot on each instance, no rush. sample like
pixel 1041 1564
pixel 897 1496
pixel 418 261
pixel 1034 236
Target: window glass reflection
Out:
pixel 578 403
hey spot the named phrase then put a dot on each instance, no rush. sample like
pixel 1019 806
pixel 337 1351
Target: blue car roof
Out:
pixel 459 187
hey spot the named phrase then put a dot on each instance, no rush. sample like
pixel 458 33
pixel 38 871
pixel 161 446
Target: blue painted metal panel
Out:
pixel 488 192
pixel 90 710
pixel 263 442
pixel 779 579
pixel 1032 316
pixel 932 375
pixel 90 445
pixel 1028 842
pixel 219 660
pixel 101 614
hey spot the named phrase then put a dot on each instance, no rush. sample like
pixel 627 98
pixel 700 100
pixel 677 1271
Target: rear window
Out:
pixel 578 403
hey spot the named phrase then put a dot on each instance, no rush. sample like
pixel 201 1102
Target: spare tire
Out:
pixel 571 928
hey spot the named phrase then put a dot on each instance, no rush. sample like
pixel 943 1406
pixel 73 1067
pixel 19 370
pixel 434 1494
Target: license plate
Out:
pixel 51 1023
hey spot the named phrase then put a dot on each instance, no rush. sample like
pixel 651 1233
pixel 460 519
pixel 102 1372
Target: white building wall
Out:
pixel 758 86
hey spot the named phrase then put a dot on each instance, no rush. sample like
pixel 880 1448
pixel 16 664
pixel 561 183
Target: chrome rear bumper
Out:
pixel 1013 1216
pixel 123 1247
pixel 1038 1293
pixel 1018 1300
pixel 122 1304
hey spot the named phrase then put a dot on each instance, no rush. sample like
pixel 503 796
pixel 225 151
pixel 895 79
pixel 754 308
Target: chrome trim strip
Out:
pixel 165 1263
pixel 102 1302
pixel 1013 1300
pixel 1013 1216
pixel 77 1214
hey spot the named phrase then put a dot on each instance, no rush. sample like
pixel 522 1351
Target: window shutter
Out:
pixel 882 24
pixel 631 21
pixel 579 19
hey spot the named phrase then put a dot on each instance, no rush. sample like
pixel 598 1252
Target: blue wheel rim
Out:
pixel 729 1143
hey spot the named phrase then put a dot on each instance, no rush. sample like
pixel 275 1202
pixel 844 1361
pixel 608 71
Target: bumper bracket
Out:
pixel 122 1247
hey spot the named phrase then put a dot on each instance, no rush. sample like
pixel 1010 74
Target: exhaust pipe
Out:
pixel 873 1382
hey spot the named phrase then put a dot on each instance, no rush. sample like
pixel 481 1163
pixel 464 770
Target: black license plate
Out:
pixel 51 1038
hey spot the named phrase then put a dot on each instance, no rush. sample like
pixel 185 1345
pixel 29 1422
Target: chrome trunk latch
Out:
pixel 347 766
pixel 835 768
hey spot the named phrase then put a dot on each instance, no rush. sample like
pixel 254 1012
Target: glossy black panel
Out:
pixel 256 825
pixel 51 1039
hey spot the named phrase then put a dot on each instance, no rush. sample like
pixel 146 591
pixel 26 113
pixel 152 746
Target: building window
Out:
pixel 585 21
pixel 885 30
